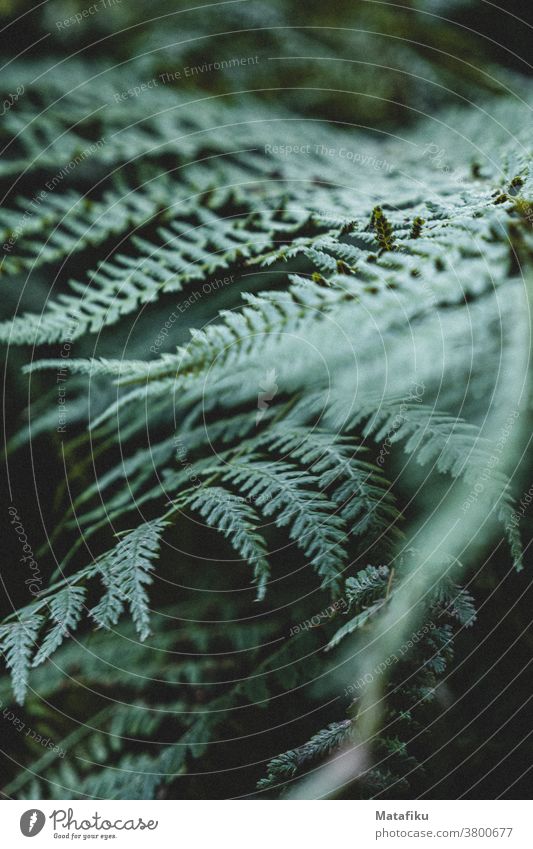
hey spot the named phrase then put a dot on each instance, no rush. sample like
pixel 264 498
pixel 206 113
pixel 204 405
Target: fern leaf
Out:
pixel 237 520
pixel 17 641
pixel 287 765
pixel 126 572
pixel 66 609
pixel 280 490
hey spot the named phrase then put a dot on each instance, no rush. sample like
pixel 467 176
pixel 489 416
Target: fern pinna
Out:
pixel 287 352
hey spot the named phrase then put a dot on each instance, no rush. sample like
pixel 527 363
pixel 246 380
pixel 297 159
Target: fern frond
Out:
pixel 66 609
pixel 281 490
pixel 453 446
pixel 237 520
pixel 17 641
pixel 125 574
pixel 287 765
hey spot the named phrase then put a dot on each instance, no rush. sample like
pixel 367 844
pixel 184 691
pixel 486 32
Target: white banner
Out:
pixel 258 824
